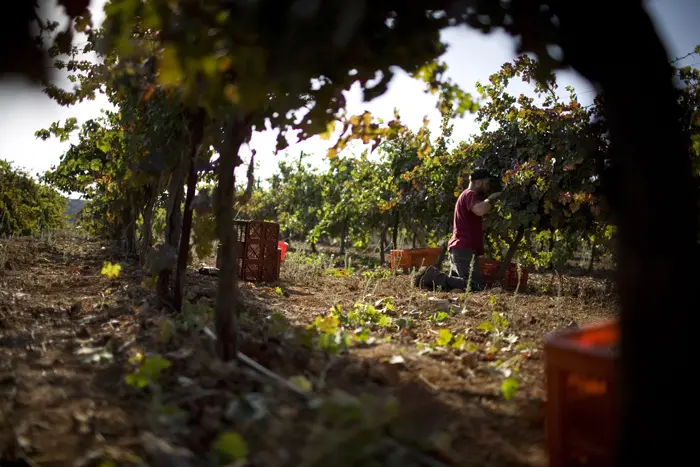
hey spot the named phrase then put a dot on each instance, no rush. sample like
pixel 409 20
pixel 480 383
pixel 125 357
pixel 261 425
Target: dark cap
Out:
pixel 479 174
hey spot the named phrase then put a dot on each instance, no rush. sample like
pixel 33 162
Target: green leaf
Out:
pixel 509 387
pixel 500 322
pixel 384 321
pixel 154 366
pixel 402 323
pixel 441 316
pixel 111 271
pixel 210 65
pixel 444 337
pixel 222 17
pixel 166 331
pixel 64 40
pixel 326 135
pixel 231 446
pixel 459 343
pixel 169 72
pixel 302 382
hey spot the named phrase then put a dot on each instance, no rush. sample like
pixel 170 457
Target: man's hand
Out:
pixel 485 206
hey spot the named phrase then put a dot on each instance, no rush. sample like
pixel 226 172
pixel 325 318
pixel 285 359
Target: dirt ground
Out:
pixel 339 367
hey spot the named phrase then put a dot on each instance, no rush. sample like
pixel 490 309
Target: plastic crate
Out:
pixel 489 269
pixel 414 258
pixel 257 251
pixel 283 246
pixel 581 368
pixel 511 278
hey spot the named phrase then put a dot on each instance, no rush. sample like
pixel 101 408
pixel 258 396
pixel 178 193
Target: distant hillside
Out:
pixel 73 208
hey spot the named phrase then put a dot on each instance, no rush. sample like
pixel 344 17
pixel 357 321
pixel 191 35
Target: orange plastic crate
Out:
pixel 415 258
pixel 511 279
pixel 489 268
pixel 581 368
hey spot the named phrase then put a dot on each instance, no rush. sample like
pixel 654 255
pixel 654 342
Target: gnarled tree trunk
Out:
pixel 129 243
pixel 343 237
pixel 510 254
pixel 591 259
pixel 227 300
pixel 196 130
pixel 147 226
pixel 173 223
pixel 551 250
pixel 395 231
pixel 382 246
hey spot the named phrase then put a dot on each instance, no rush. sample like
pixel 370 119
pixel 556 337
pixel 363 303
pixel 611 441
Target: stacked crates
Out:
pixel 257 251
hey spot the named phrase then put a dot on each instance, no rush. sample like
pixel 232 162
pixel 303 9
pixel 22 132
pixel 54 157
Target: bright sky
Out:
pixel 471 57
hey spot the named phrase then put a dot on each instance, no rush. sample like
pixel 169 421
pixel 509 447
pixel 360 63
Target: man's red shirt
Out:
pixel 467 231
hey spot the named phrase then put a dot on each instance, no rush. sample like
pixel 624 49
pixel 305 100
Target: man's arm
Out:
pixel 485 206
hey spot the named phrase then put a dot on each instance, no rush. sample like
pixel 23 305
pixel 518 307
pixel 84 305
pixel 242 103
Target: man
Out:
pixel 467 242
